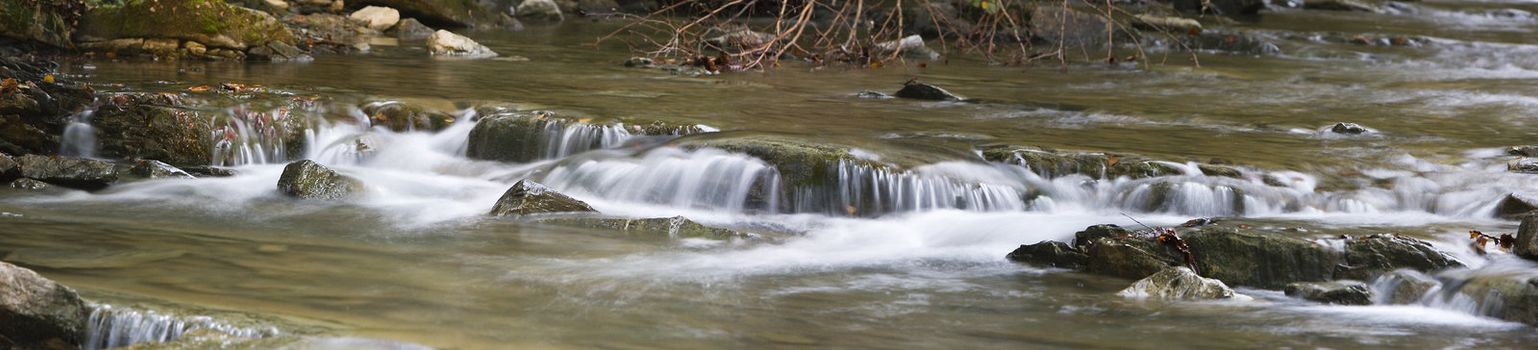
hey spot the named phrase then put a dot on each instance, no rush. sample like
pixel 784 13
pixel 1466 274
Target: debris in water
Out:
pixel 1168 238
pixel 1506 241
pixel 1199 222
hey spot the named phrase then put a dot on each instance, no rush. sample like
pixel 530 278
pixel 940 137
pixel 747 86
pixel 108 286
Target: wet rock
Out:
pixel 209 171
pixel 277 52
pixel 874 95
pixel 445 43
pixel 1167 23
pixel 1523 165
pixel 1050 163
pixel 1404 287
pixel 217 24
pixel 410 29
pixel 516 137
pixel 1523 151
pixel 667 227
pixel 154 169
pixel 1178 283
pixel 1130 258
pixel 911 47
pixel 1515 206
pixel 1344 292
pixel 529 197
pixel 638 62
pixel 1510 297
pixel 37 313
pixel 1232 8
pixel 921 91
pixel 1368 257
pixel 445 13
pixel 539 9
pixel 1083 239
pixel 1219 170
pixel 153 126
pixel 400 116
pixel 31 185
pixel 308 180
pixel 1340 5
pixel 8 168
pixel 1526 245
pixel 47 22
pixel 36 112
pixel 376 18
pixel 1350 129
pixel 1049 253
pixel 81 173
pixel 1258 259
pixel 1069 27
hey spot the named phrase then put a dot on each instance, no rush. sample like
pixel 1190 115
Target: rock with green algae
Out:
pixel 153 126
pixel 81 173
pixel 1053 163
pixel 1240 256
pixel 50 22
pixel 1370 256
pixel 1343 292
pixel 212 23
pixel 529 197
pixel 662 227
pixel 38 313
pixel 308 180
pixel 402 116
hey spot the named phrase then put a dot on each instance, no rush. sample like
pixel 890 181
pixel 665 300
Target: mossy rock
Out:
pixel 1368 257
pixel 1512 297
pixel 308 180
pixel 529 197
pixel 524 137
pixel 401 116
pixel 1052 163
pixel 50 22
pixel 1259 259
pixel 438 13
pixel 213 23
pixel 153 126
pixel 1344 292
pixel 667 227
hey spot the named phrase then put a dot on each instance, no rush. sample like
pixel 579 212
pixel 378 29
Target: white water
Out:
pixel 114 327
pixel 79 139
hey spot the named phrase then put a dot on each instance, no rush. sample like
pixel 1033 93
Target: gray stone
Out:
pixel 1515 206
pixel 1403 287
pixel 1368 257
pixel 8 167
pixel 445 43
pixel 37 313
pixel 1523 165
pixel 376 17
pixel 1526 245
pixel 1523 151
pixel 922 91
pixel 81 173
pixel 412 30
pixel 154 169
pixel 529 197
pixel 1049 253
pixel 912 47
pixel 1343 292
pixel 1178 283
pixel 539 9
pixel 306 179
pixel 1239 256
pixel 30 185
pixel 1350 129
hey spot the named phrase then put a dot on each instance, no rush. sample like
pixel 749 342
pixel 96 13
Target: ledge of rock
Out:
pixel 81 173
pixel 306 179
pixel 666 227
pixel 37 313
pixel 1343 292
pixel 529 197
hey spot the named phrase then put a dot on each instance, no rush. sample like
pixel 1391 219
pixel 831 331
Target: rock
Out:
pixel 1083 239
pixel 153 126
pixel 922 91
pixel 1167 23
pixel 209 171
pixel 1232 8
pixel 33 117
pixel 194 48
pixel 1350 129
pixel 514 137
pixel 1130 258
pixel 47 22
pixel 1343 292
pixel 279 5
pixel 1219 170
pixel 1050 163
pixel 1523 151
pixel 308 180
pixel 410 29
pixel 1526 245
pixel 444 13
pixel 81 173
pixel 445 43
pixel 401 117
pixel 638 62
pixel 874 95
pixel 669 227
pixel 37 313
pixel 1404 287
pixel 1340 5
pixel 376 18
pixel 30 185
pixel 1069 27
pixel 1507 296
pixel 804 165
pixel 1258 259
pixel 1523 165
pixel 217 24
pixel 154 169
pixel 1368 257
pixel 539 9
pixel 528 197
pixel 1515 206
pixel 1049 253
pixel 1178 283
pixel 739 39
pixel 912 47
pixel 8 168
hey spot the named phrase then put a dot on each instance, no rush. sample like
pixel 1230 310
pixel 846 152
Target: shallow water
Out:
pixel 414 260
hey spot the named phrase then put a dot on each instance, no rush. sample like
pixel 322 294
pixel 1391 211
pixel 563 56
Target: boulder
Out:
pixel 1510 297
pixel 443 13
pixel 154 169
pixel 1231 8
pixel 48 22
pixel 8 168
pixel 1259 259
pixel 1523 165
pixel 410 29
pixel 153 126
pixel 308 180
pixel 529 197
pixel 1049 253
pixel 1343 292
pixel 921 91
pixel 376 17
pixel 37 313
pixel 539 9
pixel 1403 287
pixel 1350 129
pixel 911 47
pixel 1515 206
pixel 1526 245
pixel 1083 239
pixel 36 112
pixel 216 24
pixel 81 173
pixel 445 43
pixel 1130 258
pixel 1178 283
pixel 665 227
pixel 400 116
pixel 1368 257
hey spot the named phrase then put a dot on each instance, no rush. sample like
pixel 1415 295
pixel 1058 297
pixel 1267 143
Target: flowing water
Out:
pixel 882 258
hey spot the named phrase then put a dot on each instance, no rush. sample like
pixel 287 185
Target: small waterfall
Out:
pixel 702 179
pixel 564 138
pixel 79 139
pixel 249 137
pixel 113 327
pixel 865 190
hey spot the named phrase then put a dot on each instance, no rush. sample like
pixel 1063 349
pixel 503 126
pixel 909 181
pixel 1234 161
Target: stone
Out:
pixel 1515 206
pixel 539 9
pixel 30 185
pixel 1368 257
pixel 1231 8
pixel 1083 239
pixel 209 171
pixel 739 39
pixel 1526 245
pixel 81 173
pixel 154 169
pixel 1050 163
pixel 1167 23
pixel 664 227
pixel 195 48
pixel 1350 129
pixel 1343 292
pixel 1178 283
pixel 1523 151
pixel 376 17
pixel 1403 287
pixel 445 13
pixel 912 47
pixel 1523 165
pixel 1340 5
pixel 277 4
pixel 1259 259
pixel 8 168
pixel 516 137
pixel 153 126
pixel 529 197
pixel 401 117
pixel 161 47
pixel 36 313
pixel 445 43
pixel 922 91
pixel 48 22
pixel 308 180
pixel 1130 258
pixel 1069 27
pixel 1049 253
pixel 1507 296
pixel 212 23
pixel 410 29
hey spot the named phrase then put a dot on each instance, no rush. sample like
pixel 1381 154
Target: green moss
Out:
pixel 211 22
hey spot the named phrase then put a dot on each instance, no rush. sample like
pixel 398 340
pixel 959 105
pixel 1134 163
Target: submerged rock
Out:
pixel 921 91
pixel 1368 257
pixel 376 17
pixel 1526 245
pixel 445 43
pixel 1178 283
pixel 308 180
pixel 1049 253
pixel 1403 287
pixel 1350 129
pixel 37 313
pixel 669 227
pixel 1343 292
pixel 529 197
pixel 539 9
pixel 401 117
pixel 81 173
